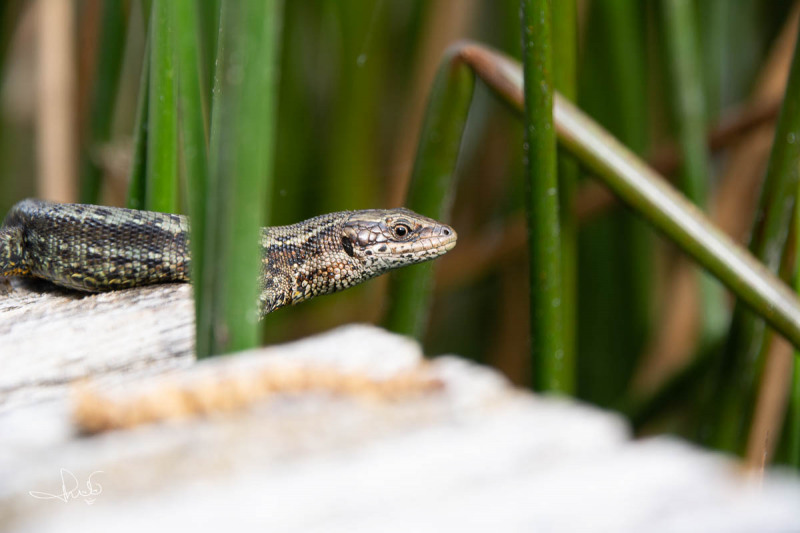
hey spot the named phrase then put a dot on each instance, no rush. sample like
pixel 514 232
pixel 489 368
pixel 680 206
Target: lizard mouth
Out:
pixel 449 239
pixel 441 240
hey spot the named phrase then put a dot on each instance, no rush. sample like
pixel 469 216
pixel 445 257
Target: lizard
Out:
pixel 94 248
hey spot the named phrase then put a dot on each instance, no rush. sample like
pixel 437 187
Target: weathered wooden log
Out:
pixel 348 430
pixel 51 337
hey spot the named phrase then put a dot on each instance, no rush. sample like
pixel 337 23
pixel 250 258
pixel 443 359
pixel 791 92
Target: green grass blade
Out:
pixel 193 126
pixel 161 193
pixel 616 259
pixel 208 20
pixel 241 160
pixel 793 427
pixel 738 375
pixel 565 74
pixel 137 179
pixel 687 86
pixel 430 190
pixel 793 414
pixel 714 17
pixel 544 238
pixel 147 10
pixel 690 112
pixel 193 118
pixel 206 268
pixel 10 12
pixel 106 80
pixel 351 155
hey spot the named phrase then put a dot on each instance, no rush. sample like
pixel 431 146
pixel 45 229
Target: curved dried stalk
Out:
pixel 646 192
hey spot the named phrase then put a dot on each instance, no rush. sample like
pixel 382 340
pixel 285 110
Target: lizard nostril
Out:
pixel 446 231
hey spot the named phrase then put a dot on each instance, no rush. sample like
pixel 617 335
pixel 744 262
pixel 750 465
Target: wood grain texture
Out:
pixel 327 450
pixel 50 337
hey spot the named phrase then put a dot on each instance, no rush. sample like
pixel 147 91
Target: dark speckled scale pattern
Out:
pixel 94 248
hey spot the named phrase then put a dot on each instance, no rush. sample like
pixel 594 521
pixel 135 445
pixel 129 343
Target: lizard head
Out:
pixel 332 252
pixel 385 239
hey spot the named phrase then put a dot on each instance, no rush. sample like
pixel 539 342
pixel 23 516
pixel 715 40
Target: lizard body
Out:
pixel 95 248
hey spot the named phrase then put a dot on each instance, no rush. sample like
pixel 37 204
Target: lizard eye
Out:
pixel 401 230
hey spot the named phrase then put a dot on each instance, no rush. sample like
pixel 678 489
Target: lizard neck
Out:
pixel 305 260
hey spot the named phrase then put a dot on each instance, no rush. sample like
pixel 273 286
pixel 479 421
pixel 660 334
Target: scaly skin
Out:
pixel 93 248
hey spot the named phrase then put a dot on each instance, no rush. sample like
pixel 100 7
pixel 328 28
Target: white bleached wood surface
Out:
pixel 50 337
pixel 473 455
